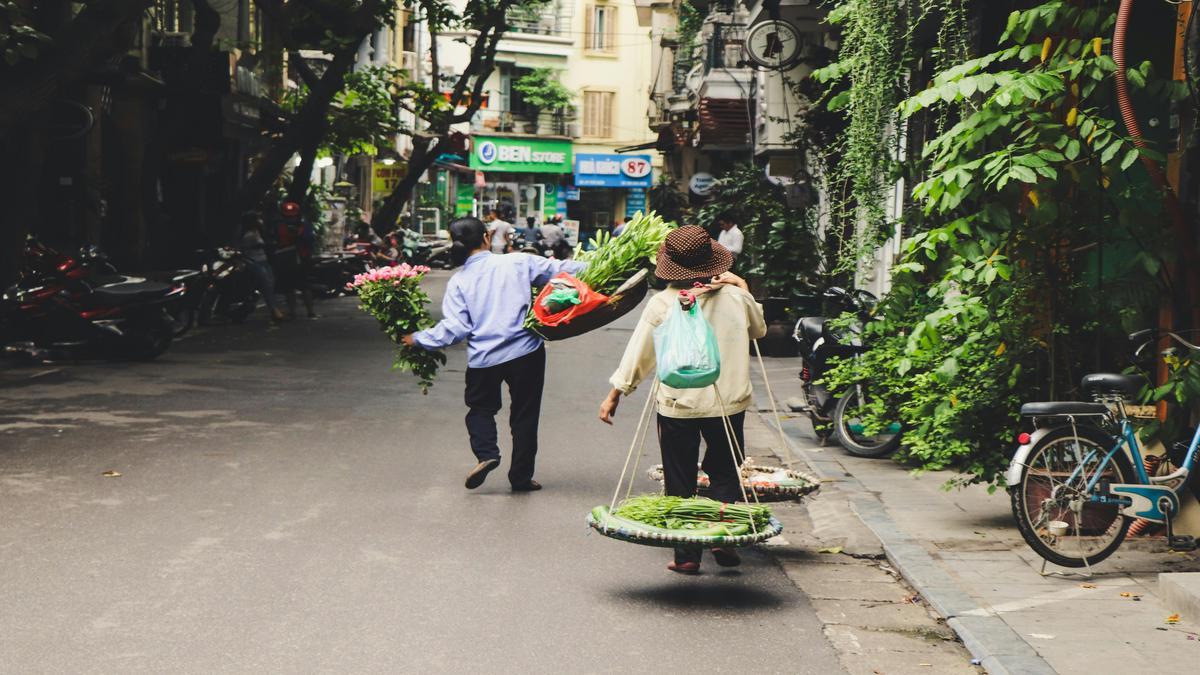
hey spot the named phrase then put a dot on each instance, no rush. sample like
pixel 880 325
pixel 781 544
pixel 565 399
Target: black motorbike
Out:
pixel 230 290
pixel 837 413
pixel 432 252
pixel 77 306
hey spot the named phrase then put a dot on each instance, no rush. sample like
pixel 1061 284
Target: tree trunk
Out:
pixel 306 129
pixel 302 176
pixel 387 216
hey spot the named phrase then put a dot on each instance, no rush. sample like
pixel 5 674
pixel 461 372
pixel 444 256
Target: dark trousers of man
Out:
pixel 525 377
pixel 679 440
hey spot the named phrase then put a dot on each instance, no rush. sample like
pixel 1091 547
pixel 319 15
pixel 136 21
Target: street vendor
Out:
pixel 689 257
pixel 486 303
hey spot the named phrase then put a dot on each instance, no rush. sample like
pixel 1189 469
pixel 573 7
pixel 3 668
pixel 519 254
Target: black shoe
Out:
pixel 531 486
pixel 480 472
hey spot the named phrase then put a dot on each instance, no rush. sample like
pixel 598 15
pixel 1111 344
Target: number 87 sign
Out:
pixel 636 167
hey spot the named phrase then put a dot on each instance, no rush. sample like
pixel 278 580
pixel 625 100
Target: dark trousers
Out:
pixel 679 440
pixel 525 377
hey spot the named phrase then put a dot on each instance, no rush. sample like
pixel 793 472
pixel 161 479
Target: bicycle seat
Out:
pixel 1053 408
pixel 1112 383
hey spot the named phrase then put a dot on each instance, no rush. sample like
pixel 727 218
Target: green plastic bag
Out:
pixel 686 349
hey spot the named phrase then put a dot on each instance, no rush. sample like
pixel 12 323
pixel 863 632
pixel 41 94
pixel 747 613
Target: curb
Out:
pixel 996 646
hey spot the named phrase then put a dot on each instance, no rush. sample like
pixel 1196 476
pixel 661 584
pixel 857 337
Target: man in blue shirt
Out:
pixel 486 303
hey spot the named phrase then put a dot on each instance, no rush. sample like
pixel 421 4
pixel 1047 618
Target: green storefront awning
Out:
pixel 521 155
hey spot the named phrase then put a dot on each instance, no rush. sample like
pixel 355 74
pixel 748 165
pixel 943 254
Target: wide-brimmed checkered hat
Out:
pixel 689 253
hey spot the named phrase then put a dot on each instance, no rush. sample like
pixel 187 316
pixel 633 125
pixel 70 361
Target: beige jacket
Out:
pixel 735 318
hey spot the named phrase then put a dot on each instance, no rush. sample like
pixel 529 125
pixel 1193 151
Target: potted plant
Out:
pixel 543 93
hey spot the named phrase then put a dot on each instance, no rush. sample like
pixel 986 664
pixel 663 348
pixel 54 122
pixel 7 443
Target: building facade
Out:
pixel 537 164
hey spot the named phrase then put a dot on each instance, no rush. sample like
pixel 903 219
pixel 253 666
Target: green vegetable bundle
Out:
pixel 612 260
pixel 691 513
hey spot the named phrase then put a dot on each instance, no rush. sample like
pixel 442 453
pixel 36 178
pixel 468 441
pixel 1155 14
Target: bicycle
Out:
pixel 1079 480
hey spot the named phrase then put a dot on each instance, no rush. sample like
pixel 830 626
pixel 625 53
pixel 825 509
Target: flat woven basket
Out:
pixel 620 303
pixel 761 480
pixel 626 532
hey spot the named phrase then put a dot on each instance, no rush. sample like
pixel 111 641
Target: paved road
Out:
pixel 288 504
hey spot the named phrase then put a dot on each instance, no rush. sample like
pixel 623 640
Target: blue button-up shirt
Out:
pixel 486 303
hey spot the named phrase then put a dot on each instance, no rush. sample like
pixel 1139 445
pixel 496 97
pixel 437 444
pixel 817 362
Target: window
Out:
pixel 597 114
pixel 598 31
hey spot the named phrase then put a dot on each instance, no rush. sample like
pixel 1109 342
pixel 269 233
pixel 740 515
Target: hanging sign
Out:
pixel 385 177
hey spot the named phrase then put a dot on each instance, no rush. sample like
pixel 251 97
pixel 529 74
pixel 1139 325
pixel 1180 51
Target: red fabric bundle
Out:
pixel 588 300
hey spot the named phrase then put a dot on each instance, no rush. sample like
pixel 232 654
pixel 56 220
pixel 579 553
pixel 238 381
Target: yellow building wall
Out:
pixel 626 72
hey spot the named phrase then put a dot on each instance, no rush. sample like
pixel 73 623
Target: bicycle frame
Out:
pixel 1151 498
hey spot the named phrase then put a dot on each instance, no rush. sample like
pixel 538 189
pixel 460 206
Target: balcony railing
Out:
pixel 521 122
pixel 552 19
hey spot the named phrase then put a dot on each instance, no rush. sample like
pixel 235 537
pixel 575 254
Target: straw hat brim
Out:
pixel 718 262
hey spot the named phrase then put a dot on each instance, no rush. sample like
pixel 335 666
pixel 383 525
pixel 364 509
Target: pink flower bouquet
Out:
pixel 393 295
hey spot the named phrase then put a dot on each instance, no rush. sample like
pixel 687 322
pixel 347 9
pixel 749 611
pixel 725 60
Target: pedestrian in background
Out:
pixel 255 249
pixel 501 231
pixel 731 236
pixel 293 266
pixel 555 239
pixel 687 257
pixel 486 303
pixel 619 228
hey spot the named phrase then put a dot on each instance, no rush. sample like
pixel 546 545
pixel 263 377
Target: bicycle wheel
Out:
pixel 850 430
pixel 1052 496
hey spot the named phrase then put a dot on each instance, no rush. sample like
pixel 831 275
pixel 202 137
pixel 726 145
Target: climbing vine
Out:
pixel 1035 244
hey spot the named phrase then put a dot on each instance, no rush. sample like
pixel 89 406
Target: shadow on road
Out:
pixel 708 591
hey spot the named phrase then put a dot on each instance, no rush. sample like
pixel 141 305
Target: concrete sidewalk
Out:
pixel 961 550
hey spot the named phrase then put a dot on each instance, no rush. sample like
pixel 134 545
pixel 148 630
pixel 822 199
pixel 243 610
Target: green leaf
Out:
pixel 1129 159
pixel 1073 148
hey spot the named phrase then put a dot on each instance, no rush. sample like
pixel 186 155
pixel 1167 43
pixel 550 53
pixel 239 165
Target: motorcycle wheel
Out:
pixel 183 321
pixel 848 431
pixel 150 342
pixel 208 304
pixel 240 312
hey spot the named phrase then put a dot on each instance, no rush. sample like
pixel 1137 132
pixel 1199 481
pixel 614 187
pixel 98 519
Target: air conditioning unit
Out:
pixel 408 61
pixel 174 39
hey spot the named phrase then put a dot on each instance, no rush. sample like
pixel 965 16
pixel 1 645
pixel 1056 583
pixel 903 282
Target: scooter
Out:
pixel 75 310
pixel 836 413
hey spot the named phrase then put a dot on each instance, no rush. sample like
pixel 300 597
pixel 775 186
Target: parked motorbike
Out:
pixel 433 252
pixel 837 413
pixel 330 272
pixel 230 290
pixel 76 305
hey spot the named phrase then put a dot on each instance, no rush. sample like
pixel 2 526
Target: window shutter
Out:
pixel 610 28
pixel 589 21
pixel 608 112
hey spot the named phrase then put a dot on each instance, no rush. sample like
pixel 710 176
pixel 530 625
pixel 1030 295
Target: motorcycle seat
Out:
pixel 133 290
pixel 812 327
pixel 1112 383
pixel 1062 408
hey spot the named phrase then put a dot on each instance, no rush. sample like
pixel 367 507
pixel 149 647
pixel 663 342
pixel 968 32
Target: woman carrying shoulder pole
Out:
pixel 687 257
pixel 485 304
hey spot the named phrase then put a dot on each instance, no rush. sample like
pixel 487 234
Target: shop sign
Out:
pixel 702 183
pixel 528 155
pixel 635 200
pixel 385 177
pixel 619 171
pixel 571 231
pixel 572 194
pixel 464 199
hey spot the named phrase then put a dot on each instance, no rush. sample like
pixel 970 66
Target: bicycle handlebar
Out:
pixel 1154 337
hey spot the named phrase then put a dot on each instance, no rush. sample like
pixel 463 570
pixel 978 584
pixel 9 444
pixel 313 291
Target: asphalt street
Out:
pixel 286 503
